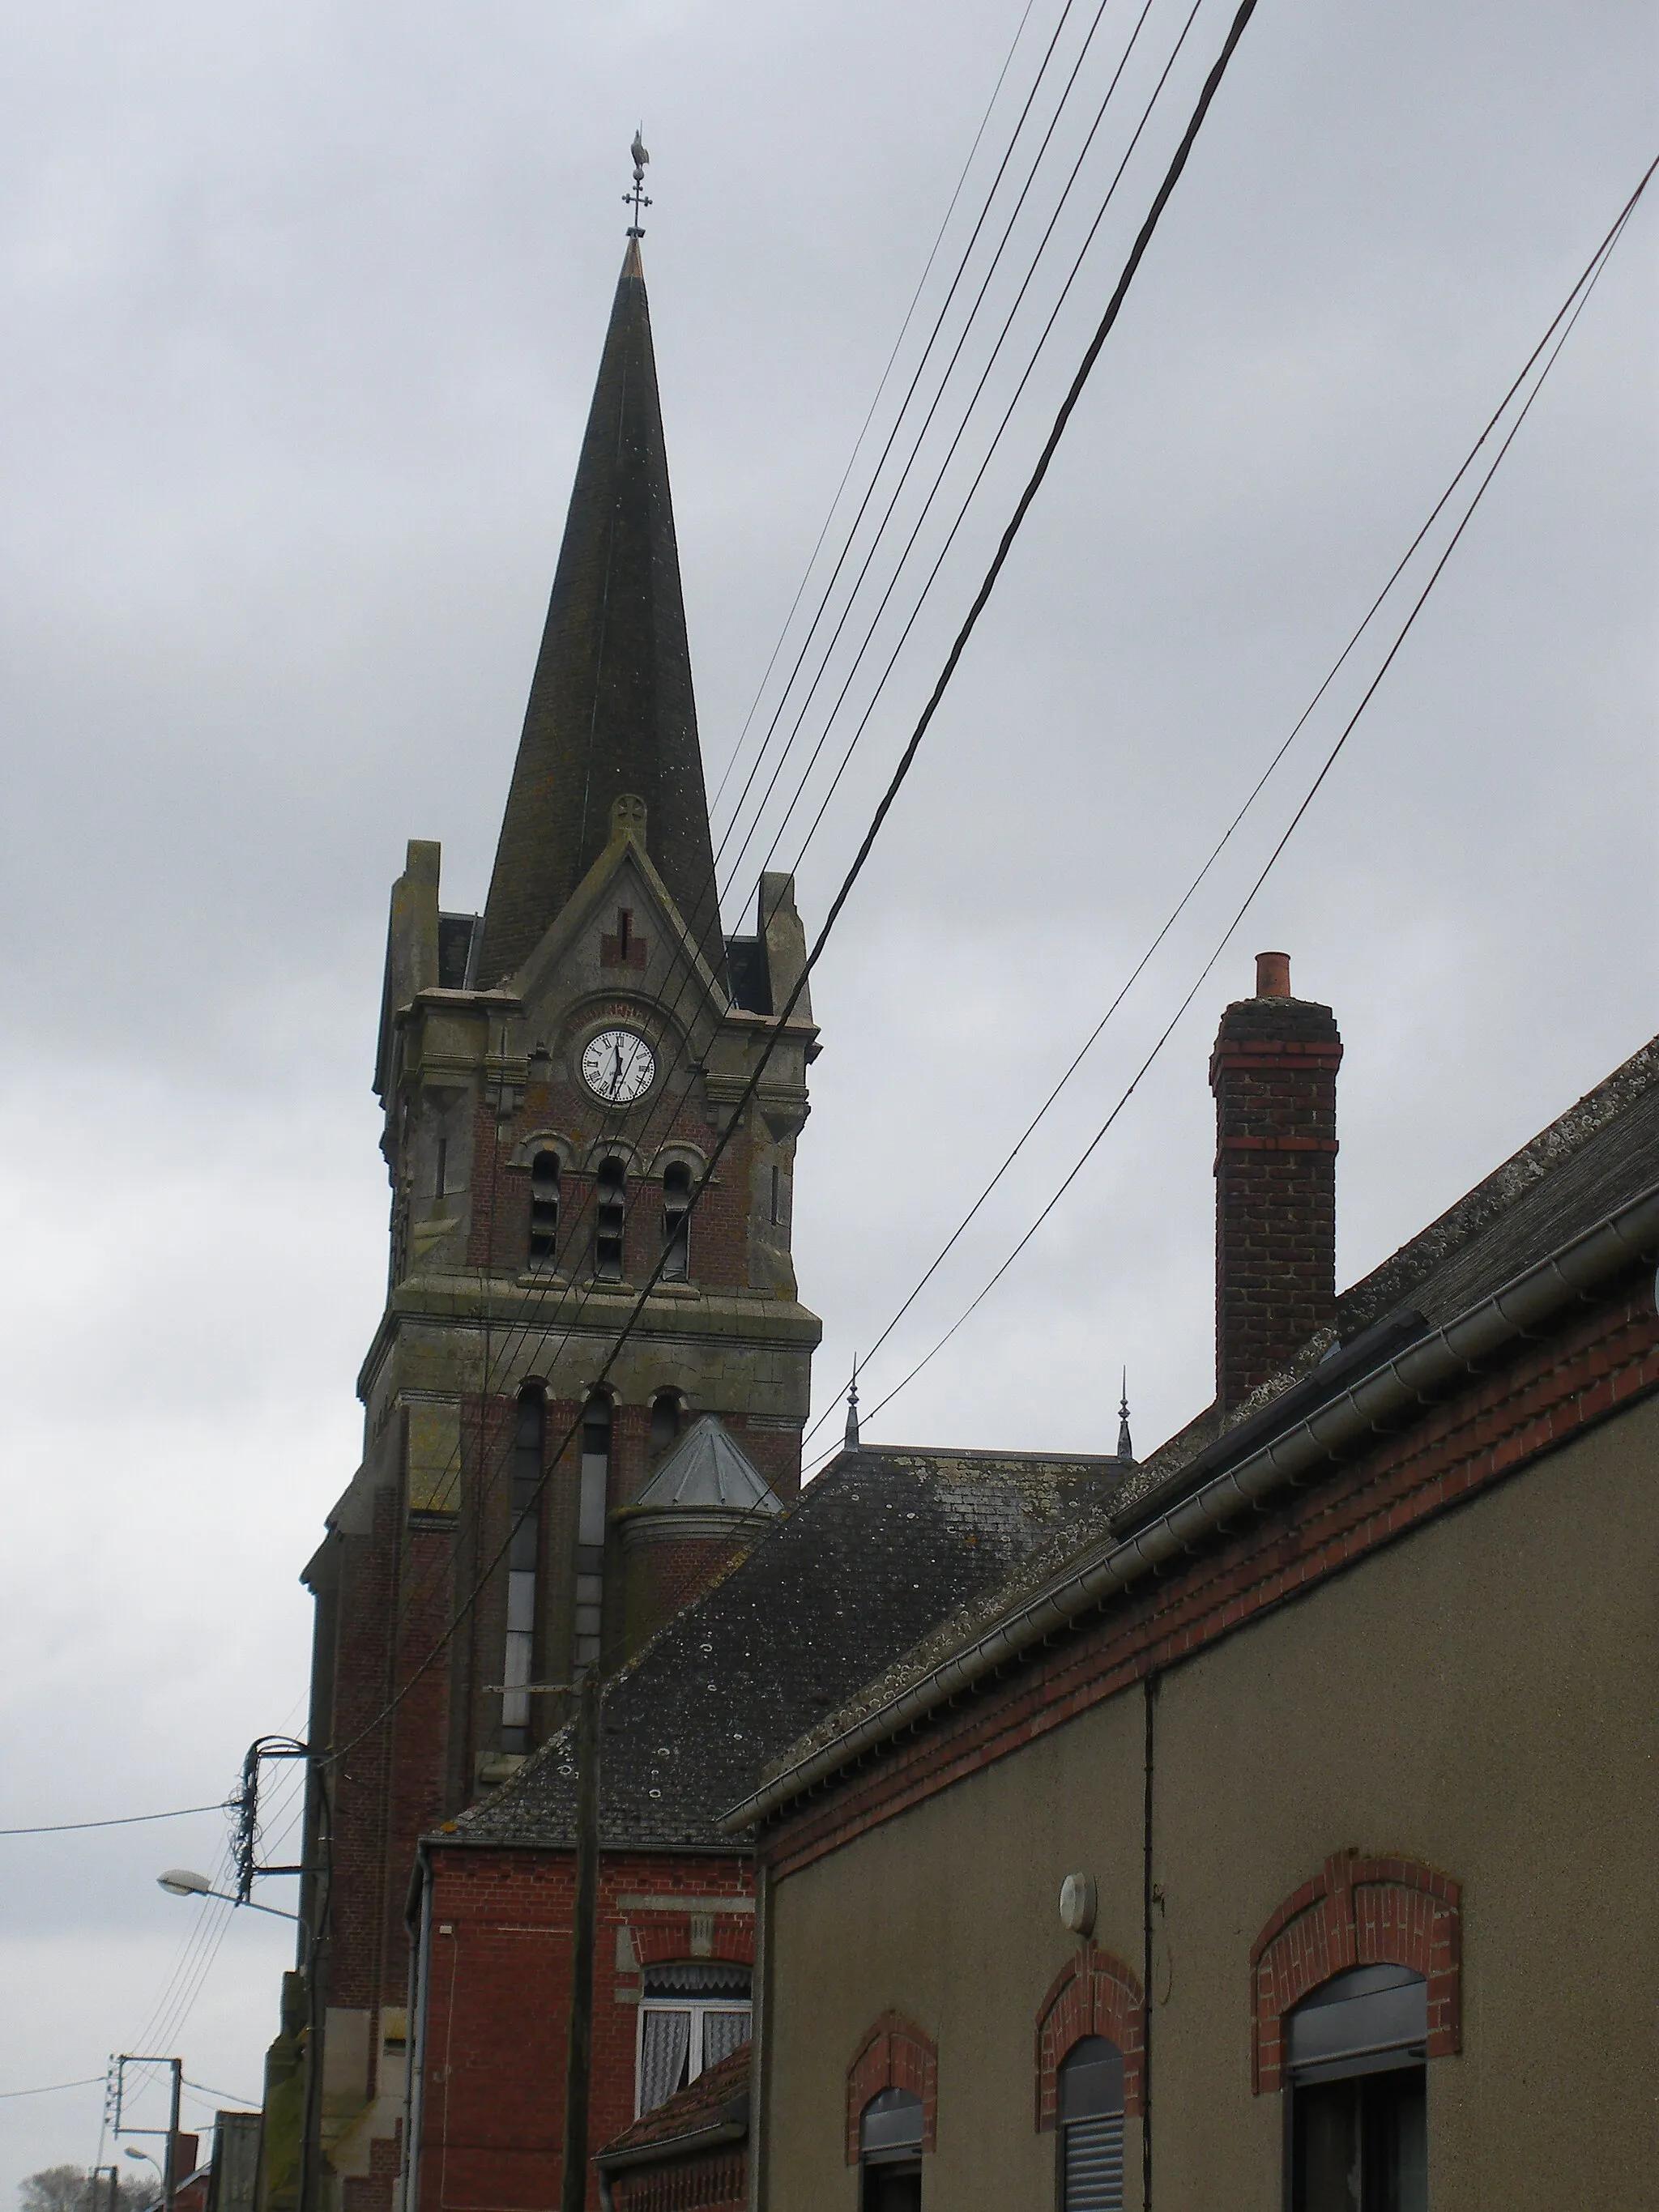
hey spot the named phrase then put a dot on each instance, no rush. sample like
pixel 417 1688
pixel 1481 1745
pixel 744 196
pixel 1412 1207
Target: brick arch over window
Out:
pixel 1357 1912
pixel 894 2054
pixel 1093 1993
pixel 717 1935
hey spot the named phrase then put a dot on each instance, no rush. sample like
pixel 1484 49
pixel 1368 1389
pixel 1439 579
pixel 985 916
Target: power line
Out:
pixel 51 2089
pixel 1587 278
pixel 119 1820
pixel 1580 292
pixel 970 623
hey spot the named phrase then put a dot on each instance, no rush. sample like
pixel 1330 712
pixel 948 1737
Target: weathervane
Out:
pixel 639 197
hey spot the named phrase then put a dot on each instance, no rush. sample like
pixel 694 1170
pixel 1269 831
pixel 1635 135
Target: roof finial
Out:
pixel 1125 1447
pixel 639 197
pixel 852 1438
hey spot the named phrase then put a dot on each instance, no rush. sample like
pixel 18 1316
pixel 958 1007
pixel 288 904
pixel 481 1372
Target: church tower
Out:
pixel 555 1074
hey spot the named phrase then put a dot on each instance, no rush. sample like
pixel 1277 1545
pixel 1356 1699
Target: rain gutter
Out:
pixel 1396 1386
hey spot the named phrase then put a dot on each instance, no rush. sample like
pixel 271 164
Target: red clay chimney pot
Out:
pixel 1272 974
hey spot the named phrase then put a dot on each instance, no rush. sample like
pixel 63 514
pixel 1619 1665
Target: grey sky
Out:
pixel 303 307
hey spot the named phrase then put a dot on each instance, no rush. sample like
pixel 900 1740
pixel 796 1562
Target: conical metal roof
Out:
pixel 705 1469
pixel 610 710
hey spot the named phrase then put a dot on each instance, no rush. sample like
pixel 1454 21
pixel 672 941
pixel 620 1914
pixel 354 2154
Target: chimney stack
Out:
pixel 1274 1074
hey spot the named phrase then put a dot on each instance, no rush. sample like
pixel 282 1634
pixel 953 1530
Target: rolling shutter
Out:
pixel 1094 2165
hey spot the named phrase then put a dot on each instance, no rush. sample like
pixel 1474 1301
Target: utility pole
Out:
pixel 579 2048
pixel 170 2168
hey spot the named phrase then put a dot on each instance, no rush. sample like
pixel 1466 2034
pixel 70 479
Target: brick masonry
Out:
pixel 1093 1993
pixel 1357 1912
pixel 894 2053
pixel 1274 1074
pixel 496 2016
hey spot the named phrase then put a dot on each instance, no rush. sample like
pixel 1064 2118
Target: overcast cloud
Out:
pixel 303 305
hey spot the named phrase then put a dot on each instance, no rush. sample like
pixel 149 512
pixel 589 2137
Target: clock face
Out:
pixel 617 1065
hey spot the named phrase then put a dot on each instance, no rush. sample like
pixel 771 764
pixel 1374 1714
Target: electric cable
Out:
pixel 938 396
pixel 1587 276
pixel 864 428
pixel 119 1820
pixel 1588 283
pixel 1091 354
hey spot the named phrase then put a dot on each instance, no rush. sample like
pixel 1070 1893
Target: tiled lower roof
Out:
pixel 885 1543
pixel 720 2093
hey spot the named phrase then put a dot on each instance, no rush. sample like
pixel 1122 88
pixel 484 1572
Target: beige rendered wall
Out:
pixel 1482 1697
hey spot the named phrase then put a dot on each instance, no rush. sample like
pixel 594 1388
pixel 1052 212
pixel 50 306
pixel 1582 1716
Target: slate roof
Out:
pixel 706 1469
pixel 718 2097
pixel 611 708
pixel 1597 1156
pixel 884 1542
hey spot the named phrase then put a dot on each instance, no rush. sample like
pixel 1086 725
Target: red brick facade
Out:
pixel 894 2054
pixel 1093 1993
pixel 717 2181
pixel 498 2005
pixel 1357 1912
pixel 1274 1074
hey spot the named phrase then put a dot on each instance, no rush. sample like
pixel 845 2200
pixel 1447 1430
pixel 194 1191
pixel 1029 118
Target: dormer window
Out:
pixel 676 1222
pixel 610 1213
pixel 544 1209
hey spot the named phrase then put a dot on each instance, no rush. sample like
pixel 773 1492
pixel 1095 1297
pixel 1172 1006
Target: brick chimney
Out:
pixel 1274 1074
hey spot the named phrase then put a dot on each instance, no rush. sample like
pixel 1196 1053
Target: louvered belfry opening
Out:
pixel 1092 2127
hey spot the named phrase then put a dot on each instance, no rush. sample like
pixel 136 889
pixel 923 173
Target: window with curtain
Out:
pixel 691 2016
pixel 523 1565
pixel 889 2153
pixel 1357 2085
pixel 1092 2127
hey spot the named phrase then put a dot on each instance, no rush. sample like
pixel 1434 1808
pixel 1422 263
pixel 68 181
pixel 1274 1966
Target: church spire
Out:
pixel 611 710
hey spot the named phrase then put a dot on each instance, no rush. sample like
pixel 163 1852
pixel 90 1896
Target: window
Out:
pixel 777 1198
pixel 665 1419
pixel 1092 2127
pixel 675 1222
pixel 440 1175
pixel 889 2153
pixel 612 1201
pixel 592 1501
pixel 691 2016
pixel 523 1558
pixel 544 1209
pixel 1357 2094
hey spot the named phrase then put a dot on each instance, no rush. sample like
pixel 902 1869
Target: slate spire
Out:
pixel 611 710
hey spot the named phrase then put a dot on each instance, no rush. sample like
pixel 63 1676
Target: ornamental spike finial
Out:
pixel 638 198
pixel 852 1438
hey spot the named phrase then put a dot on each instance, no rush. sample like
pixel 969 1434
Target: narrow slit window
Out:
pixel 592 1500
pixel 544 1209
pixel 609 1216
pixel 624 930
pixel 777 1197
pixel 676 1222
pixel 523 1565
pixel 665 1419
pixel 441 1179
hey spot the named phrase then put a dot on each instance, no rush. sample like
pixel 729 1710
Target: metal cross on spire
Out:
pixel 639 197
